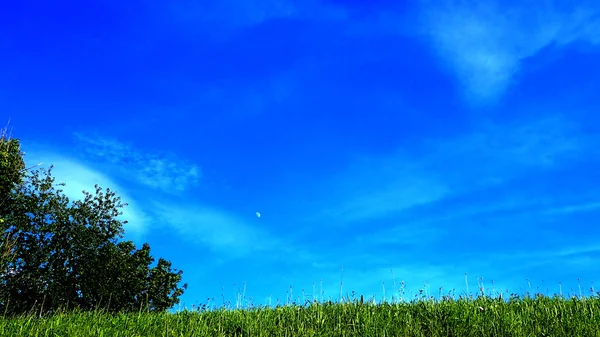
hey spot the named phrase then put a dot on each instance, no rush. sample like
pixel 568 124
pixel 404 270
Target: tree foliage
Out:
pixel 69 254
pixel 12 168
pixel 12 165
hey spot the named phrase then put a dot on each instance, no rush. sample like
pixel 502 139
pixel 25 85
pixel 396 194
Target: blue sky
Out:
pixel 405 141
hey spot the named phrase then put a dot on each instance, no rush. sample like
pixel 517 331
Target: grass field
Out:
pixel 535 315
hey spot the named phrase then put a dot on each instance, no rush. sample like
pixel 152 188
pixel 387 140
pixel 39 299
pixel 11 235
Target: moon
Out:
pixel 257 214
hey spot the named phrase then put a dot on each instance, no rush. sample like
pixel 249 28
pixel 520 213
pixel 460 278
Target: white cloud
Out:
pixel 376 187
pixel 514 207
pixel 495 153
pixel 401 193
pixel 420 231
pixel 160 171
pixel 219 230
pixel 559 252
pixel 224 16
pixel 484 42
pixel 78 177
pixel 246 99
pixel 576 208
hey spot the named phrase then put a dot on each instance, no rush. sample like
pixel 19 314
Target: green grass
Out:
pixel 538 315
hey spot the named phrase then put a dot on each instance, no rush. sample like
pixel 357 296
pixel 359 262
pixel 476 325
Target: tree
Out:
pixel 12 165
pixel 68 255
pixel 12 170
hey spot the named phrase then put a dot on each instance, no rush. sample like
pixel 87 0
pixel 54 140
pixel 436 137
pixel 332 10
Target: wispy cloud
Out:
pixel 244 99
pixel 380 186
pixel 222 231
pixel 165 172
pixel 223 17
pixel 79 177
pixel 433 224
pixel 234 13
pixel 582 207
pixel 480 172
pixel 484 44
pixel 496 153
pixel 383 193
